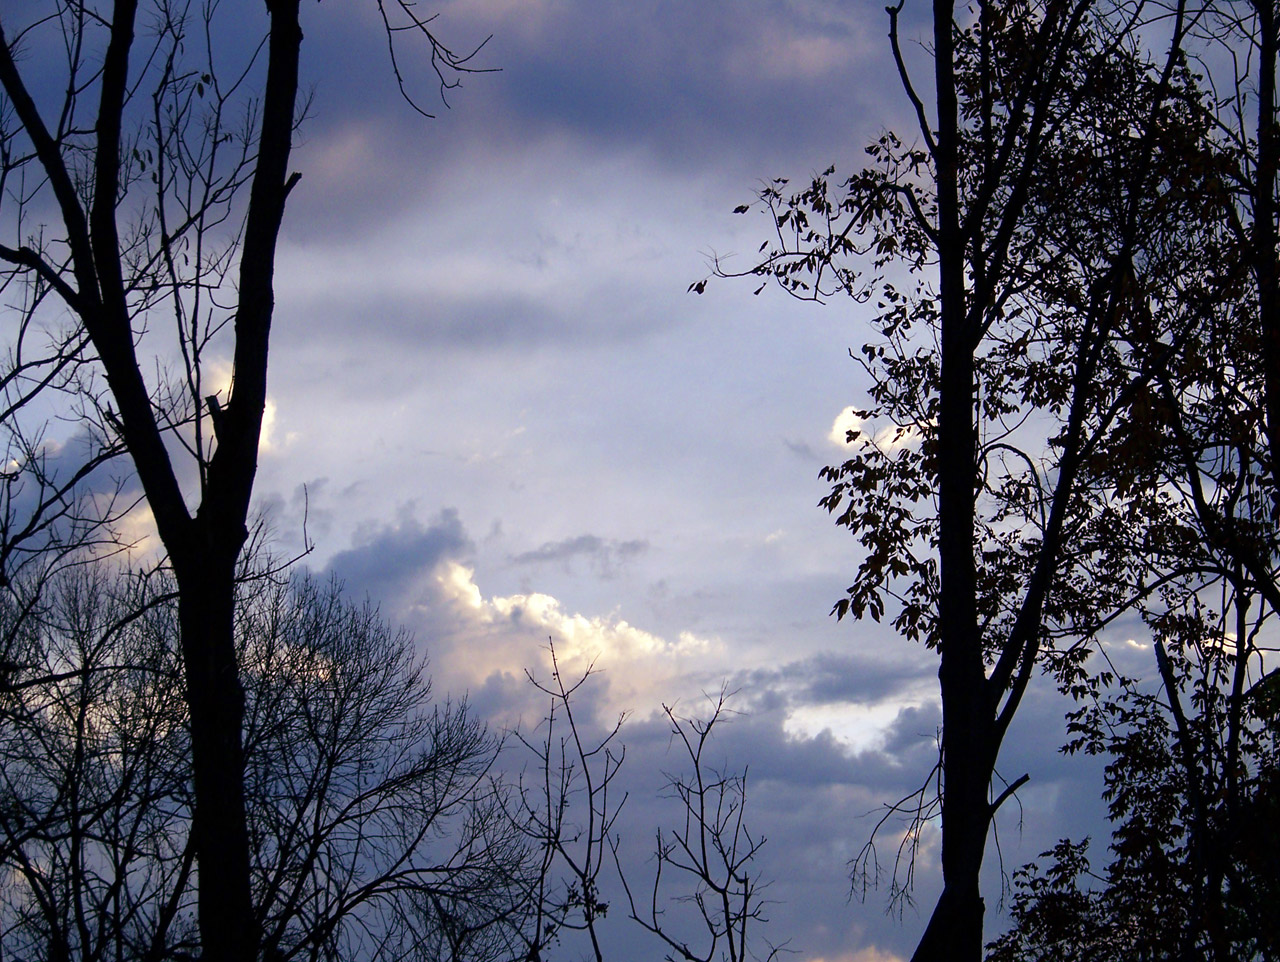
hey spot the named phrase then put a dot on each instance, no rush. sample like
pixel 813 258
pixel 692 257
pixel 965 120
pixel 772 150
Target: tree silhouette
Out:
pixel 375 827
pixel 1006 255
pixel 165 157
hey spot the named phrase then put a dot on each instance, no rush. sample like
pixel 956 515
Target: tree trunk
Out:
pixel 206 613
pixel 954 932
pixel 1266 271
pixel 202 549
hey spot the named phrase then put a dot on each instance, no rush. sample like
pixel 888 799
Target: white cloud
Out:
pixel 858 727
pixel 891 437
pixel 845 422
pixel 271 441
pixel 137 529
pixel 504 634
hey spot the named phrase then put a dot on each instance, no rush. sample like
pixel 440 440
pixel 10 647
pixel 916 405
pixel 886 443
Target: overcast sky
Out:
pixel 508 420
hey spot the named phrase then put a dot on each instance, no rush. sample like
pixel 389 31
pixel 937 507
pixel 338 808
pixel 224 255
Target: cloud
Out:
pixel 466 270
pixel 869 954
pixel 807 799
pixel 801 449
pixel 890 437
pixel 474 637
pixel 273 442
pixel 387 560
pixel 829 710
pixel 828 738
pixel 35 516
pixel 685 80
pixel 832 678
pixel 846 421
pixel 604 556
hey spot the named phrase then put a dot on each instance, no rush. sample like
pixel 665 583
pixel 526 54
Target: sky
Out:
pixel 496 409
pixel 508 420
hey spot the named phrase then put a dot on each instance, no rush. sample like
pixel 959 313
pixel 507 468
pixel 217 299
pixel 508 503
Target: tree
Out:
pixel 567 807
pixel 165 164
pixel 1193 749
pixel 1007 258
pixel 375 828
pixel 1192 802
pixel 566 811
pixel 713 847
pixel 93 742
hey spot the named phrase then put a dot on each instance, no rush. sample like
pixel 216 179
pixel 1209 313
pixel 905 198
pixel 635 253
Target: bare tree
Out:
pixel 564 808
pixel 713 848
pixel 568 808
pixel 94 803
pixel 163 160
pixel 378 831
pixel 375 829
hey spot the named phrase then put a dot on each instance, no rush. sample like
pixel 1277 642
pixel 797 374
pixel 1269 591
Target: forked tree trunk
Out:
pixel 203 548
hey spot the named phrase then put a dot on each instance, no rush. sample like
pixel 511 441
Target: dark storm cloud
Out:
pixel 36 515
pixel 303 518
pixel 741 83
pixel 818 804
pixel 813 802
pixel 500 696
pixel 476 322
pixel 563 550
pixel 912 726
pixel 400 316
pixel 386 559
pixel 830 678
pixel 686 80
pixel 728 93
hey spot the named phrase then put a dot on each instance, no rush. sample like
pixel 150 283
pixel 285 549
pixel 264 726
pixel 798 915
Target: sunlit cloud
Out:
pixel 845 422
pixel 272 441
pixel 137 530
pixel 890 437
pixel 481 636
pixel 869 954
pixel 855 726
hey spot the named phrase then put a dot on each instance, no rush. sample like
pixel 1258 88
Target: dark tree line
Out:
pixel 383 822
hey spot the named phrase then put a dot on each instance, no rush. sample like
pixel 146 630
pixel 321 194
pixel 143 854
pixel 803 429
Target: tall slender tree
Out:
pixel 1005 254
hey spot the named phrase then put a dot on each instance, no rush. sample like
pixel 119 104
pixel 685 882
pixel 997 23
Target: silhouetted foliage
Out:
pixel 1195 846
pixel 1190 532
pixel 1060 174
